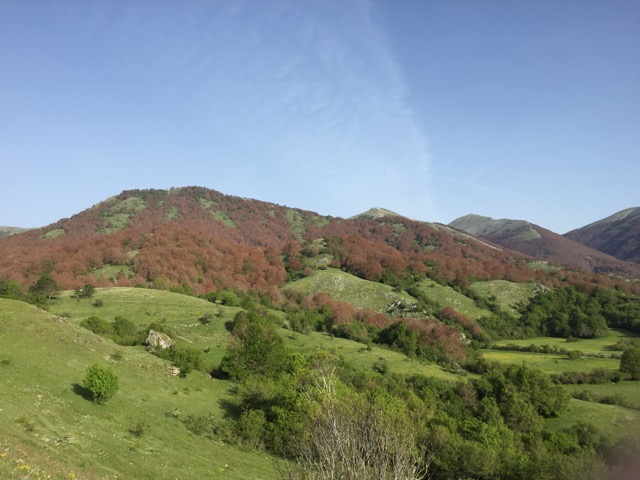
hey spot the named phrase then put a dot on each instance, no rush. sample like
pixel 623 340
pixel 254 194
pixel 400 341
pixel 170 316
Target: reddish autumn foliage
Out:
pixel 203 241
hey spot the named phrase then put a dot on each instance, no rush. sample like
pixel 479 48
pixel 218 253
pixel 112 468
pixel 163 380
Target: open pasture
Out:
pixel 602 345
pixel 611 420
pixel 551 363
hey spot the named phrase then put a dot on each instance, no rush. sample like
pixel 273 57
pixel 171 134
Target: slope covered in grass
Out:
pixel 47 422
pixel 348 288
pixel 507 295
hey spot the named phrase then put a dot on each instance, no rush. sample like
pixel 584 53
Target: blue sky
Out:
pixel 431 108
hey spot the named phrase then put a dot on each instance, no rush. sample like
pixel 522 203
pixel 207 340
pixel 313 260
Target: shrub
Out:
pixel 97 325
pixel 630 363
pixel 574 354
pixel 101 382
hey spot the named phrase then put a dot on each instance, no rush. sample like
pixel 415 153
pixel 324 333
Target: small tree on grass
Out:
pixel 101 382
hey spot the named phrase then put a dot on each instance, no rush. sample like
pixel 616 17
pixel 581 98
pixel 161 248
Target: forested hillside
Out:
pixel 202 240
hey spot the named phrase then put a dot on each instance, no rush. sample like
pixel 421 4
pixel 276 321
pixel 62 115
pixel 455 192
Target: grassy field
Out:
pixel 551 363
pixel 348 288
pixel 448 297
pixel 611 420
pixel 507 294
pixel 628 391
pixel 591 345
pixel 47 425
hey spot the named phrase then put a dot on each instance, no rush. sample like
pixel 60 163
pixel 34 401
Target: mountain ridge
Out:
pixel 617 235
pixel 540 243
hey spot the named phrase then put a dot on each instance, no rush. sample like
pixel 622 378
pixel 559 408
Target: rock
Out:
pixel 158 341
pixel 173 370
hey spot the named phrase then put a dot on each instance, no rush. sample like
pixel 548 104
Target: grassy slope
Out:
pixel 46 422
pixel 592 345
pixel 507 294
pixel 551 363
pixel 377 296
pixel 44 358
pixel 611 420
pixel 348 288
pixel 448 297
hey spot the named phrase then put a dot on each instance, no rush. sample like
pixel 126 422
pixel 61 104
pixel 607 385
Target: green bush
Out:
pixel 97 325
pixel 102 382
pixel 630 363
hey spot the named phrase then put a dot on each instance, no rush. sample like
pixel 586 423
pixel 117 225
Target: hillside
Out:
pixel 202 240
pixel 617 235
pixel 542 244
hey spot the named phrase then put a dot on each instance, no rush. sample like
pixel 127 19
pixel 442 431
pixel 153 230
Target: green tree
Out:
pixel 254 348
pixel 103 383
pixel 10 289
pixel 85 292
pixel 45 287
pixel 630 363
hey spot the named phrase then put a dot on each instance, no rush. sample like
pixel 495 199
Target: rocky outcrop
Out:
pixel 157 341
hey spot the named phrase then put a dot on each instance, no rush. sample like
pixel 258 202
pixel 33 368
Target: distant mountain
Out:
pixel 5 231
pixel 540 243
pixel 617 235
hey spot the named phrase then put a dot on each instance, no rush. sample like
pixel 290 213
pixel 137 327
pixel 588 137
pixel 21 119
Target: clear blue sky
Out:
pixel 431 108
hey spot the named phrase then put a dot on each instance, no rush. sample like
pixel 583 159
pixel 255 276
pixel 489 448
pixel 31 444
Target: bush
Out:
pixel 101 382
pixel 630 363
pixel 97 325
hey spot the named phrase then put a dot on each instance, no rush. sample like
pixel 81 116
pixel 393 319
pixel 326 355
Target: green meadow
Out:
pixel 348 288
pixel 507 294
pixel 551 363
pixel 50 427
pixel 601 345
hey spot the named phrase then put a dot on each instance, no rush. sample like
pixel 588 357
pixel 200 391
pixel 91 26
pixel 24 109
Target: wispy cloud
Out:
pixel 317 86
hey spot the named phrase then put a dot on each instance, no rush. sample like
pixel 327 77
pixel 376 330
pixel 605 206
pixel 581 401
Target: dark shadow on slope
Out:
pixel 82 391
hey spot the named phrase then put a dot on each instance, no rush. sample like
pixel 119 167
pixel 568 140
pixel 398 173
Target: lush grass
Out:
pixel 628 391
pixel 349 288
pixel 45 421
pixel 145 306
pixel 448 297
pixel 507 294
pixel 591 345
pixel 551 363
pixel 611 420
